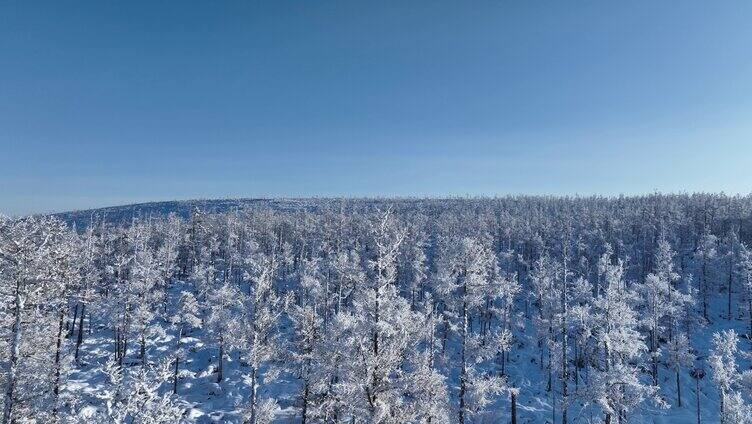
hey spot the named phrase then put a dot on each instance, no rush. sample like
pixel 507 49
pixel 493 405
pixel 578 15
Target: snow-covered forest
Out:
pixel 516 309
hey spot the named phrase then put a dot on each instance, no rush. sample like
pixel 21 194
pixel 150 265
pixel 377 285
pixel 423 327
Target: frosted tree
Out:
pixel 727 377
pixel 312 287
pixel 136 396
pixel 184 320
pixel 678 355
pixel 306 354
pixel 255 333
pixel 205 270
pixel 736 410
pixel 64 258
pixel 413 316
pixel 661 303
pixel 120 297
pixel 604 261
pixel 654 299
pixel 144 288
pixel 582 325
pixel 418 271
pixel 615 385
pixel 167 254
pixel 30 271
pixel 425 385
pixel 466 272
pixel 505 291
pixel 731 257
pixel 664 267
pixel 91 270
pixel 263 413
pixel 705 254
pixel 350 275
pixel 310 356
pixel 545 277
pixel 745 271
pixel 378 337
pixel 223 305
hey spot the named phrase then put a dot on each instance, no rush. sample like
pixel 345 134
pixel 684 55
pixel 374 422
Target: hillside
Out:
pixel 525 309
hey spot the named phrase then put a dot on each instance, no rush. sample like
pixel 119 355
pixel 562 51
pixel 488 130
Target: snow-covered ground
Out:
pixel 416 312
pixel 207 401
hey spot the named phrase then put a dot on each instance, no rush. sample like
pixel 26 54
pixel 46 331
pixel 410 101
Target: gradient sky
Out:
pixel 111 102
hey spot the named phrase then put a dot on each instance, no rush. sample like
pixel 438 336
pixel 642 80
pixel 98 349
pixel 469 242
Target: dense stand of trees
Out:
pixel 404 311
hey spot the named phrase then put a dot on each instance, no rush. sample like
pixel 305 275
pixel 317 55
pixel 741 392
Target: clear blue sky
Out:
pixel 110 102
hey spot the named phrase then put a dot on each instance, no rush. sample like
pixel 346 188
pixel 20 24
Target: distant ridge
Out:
pixel 181 208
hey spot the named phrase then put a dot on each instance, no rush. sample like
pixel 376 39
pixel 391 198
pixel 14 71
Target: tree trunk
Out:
pixel 117 345
pixel 750 314
pixel 326 301
pixel 722 409
pixel 80 338
pixel 177 363
pixel 549 387
pixel 653 348
pixel 13 359
pixel 564 336
pixel 730 280
pixel 124 342
pixel 339 294
pixel 253 395
pixel 143 349
pixel 463 370
pixel 72 327
pixel 221 356
pixel 678 389
pixel 514 408
pixel 697 393
pixel 58 344
pixel 305 403
pixel 704 289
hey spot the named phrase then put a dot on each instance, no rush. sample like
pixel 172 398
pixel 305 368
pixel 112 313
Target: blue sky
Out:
pixel 111 102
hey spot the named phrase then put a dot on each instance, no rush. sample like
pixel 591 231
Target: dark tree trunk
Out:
pixel 463 369
pixel 143 350
pixel 704 289
pixel 72 327
pixel 177 363
pixel 58 345
pixel 304 413
pixel 80 338
pixel 221 357
pixel 13 360
pixel 697 393
pixel 730 279
pixel 750 314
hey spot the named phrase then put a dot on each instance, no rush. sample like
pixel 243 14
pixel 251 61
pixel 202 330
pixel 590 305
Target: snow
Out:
pixel 262 299
pixel 208 401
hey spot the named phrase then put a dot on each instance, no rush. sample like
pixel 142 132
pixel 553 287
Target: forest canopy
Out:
pixel 513 309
